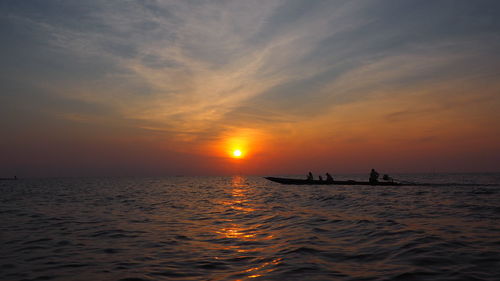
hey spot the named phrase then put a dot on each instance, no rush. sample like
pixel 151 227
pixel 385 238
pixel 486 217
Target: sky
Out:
pixel 140 88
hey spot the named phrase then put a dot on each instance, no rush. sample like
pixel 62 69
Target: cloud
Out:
pixel 193 71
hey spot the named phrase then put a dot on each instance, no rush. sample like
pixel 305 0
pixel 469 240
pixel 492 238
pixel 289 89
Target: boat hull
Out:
pixel 318 182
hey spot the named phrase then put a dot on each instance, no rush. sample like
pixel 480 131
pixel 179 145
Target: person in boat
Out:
pixel 374 176
pixel 329 177
pixel 310 176
pixel 320 178
pixel 386 177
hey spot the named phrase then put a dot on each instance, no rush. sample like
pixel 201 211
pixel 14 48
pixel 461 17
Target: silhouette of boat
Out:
pixel 324 182
pixel 379 183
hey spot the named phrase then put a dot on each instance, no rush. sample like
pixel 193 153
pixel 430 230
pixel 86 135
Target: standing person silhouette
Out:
pixel 310 176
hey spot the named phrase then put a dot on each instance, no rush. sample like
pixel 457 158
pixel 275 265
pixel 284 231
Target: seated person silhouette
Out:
pixel 386 177
pixel 374 176
pixel 329 177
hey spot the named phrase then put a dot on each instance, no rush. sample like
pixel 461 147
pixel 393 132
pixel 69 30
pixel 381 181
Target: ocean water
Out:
pixel 247 228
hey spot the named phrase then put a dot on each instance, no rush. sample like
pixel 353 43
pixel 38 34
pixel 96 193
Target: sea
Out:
pixel 248 228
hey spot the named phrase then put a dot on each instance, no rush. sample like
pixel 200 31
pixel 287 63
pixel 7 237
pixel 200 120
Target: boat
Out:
pixel 334 182
pixel 378 183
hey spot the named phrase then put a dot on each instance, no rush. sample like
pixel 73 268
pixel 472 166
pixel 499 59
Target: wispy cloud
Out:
pixel 194 71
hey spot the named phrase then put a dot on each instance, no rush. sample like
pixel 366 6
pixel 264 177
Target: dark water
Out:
pixel 246 228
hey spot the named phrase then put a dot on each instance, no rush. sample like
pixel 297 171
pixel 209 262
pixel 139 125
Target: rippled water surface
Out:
pixel 246 228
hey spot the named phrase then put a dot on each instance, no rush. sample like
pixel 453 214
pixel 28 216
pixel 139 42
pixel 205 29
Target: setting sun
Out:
pixel 237 153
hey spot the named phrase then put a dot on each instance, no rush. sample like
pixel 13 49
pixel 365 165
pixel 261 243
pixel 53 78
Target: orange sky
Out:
pixel 296 86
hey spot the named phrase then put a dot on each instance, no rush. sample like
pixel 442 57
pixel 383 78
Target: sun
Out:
pixel 237 153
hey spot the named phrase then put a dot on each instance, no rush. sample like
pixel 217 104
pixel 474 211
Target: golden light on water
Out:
pixel 240 200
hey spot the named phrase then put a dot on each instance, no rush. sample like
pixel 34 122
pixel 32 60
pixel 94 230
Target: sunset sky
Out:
pixel 96 88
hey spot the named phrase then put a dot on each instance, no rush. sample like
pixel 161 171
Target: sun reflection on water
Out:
pixel 239 195
pixel 236 232
pixel 241 202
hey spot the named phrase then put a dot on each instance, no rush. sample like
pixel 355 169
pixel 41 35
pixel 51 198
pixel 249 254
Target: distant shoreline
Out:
pixel 9 179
